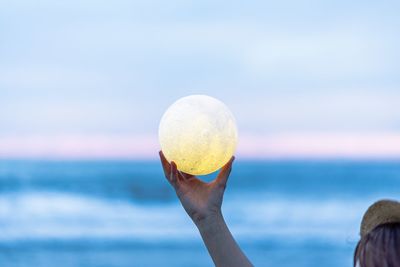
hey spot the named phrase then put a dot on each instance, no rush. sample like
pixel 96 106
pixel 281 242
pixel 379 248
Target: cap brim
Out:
pixel 381 212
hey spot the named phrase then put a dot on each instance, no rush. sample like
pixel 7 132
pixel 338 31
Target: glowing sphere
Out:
pixel 198 133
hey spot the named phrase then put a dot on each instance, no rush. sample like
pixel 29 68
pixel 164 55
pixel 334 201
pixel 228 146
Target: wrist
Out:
pixel 209 221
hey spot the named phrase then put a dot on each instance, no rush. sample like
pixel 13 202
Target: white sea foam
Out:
pixel 49 215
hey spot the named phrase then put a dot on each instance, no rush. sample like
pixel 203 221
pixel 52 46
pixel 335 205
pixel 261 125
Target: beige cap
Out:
pixel 381 212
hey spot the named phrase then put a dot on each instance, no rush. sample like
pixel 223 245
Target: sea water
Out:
pixel 124 213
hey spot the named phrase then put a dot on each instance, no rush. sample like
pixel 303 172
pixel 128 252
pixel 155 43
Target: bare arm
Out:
pixel 202 201
pixel 220 243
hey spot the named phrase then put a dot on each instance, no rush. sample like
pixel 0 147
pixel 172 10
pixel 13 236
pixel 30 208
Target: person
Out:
pixel 379 245
pixel 202 202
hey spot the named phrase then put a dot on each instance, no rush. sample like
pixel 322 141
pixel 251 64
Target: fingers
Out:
pixel 178 176
pixel 224 173
pixel 181 177
pixel 170 170
pixel 173 176
pixel 165 164
pixel 187 175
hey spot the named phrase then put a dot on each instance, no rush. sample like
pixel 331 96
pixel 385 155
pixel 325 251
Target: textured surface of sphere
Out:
pixel 198 133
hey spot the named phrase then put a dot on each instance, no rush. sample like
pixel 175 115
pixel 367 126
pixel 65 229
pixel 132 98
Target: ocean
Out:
pixel 124 213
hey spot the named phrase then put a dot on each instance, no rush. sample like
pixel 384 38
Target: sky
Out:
pixel 91 79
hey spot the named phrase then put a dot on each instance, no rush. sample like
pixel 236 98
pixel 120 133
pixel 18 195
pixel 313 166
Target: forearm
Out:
pixel 220 243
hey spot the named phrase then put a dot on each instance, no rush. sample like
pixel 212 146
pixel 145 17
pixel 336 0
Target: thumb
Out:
pixel 224 173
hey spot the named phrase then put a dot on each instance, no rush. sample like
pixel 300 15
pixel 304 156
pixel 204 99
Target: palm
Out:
pixel 198 198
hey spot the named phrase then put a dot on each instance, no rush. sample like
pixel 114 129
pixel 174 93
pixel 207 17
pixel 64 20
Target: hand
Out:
pixel 200 200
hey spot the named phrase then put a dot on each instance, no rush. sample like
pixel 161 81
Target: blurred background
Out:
pixel 314 86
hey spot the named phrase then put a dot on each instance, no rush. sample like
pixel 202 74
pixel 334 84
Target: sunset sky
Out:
pixel 91 79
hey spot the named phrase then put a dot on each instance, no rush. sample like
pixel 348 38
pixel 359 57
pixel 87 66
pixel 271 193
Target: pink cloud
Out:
pixel 304 145
pixel 78 147
pixel 313 145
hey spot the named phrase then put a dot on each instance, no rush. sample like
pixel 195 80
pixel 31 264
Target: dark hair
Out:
pixel 380 247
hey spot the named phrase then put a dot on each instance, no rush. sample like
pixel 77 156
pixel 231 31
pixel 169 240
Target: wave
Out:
pixel 62 216
pixel 144 181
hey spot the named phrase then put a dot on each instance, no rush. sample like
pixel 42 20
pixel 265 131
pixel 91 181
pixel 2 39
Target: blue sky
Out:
pixel 75 70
